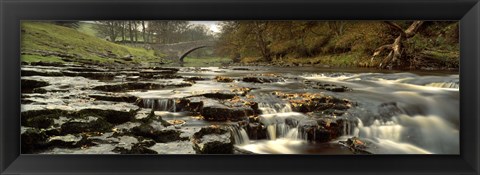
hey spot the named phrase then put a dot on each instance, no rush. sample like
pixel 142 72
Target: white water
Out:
pixel 240 136
pixel 278 128
pixel 160 104
pixel 427 123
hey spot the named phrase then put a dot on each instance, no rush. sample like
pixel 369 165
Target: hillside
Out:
pixel 47 42
pixel 433 45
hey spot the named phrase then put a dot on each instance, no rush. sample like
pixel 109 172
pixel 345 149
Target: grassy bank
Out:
pixel 47 42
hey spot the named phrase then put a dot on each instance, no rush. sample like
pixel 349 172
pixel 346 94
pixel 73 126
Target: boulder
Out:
pixel 89 124
pixel 326 86
pixel 33 140
pixel 212 140
pixel 158 135
pixel 136 149
pixel 29 85
pixel 256 131
pixel 224 113
pixel 111 116
pixel 388 110
pixel 114 97
pixel 68 141
pixel 262 79
pixel 219 95
pixel 222 79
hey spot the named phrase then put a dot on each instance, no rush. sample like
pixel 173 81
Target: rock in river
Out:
pixel 213 140
pixel 224 113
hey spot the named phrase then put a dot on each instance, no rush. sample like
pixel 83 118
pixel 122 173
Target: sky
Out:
pixel 214 26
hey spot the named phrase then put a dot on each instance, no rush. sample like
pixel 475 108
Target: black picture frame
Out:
pixel 13 11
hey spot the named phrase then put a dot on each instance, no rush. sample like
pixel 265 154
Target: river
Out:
pixel 391 112
pixel 427 123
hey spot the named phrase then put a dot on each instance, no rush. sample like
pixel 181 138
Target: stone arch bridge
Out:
pixel 178 51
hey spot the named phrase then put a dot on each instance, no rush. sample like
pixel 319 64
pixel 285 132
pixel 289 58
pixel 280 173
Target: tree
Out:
pixel 109 29
pixel 145 40
pixel 396 48
pixel 130 31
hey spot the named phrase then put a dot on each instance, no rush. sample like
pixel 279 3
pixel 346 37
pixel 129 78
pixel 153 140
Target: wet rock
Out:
pixel 33 140
pixel 240 68
pixel 167 76
pixel 138 86
pixel 388 110
pixel 133 78
pixel 306 102
pixel 334 112
pixel 29 85
pixel 91 124
pixel 262 79
pixel 223 79
pixel 326 86
pixel 212 140
pixel 41 63
pixel 160 136
pixel 256 131
pixel 154 120
pixel 224 113
pixel 193 105
pixel 40 112
pixel 114 97
pixel 219 95
pixel 68 141
pixel 136 149
pixel 314 132
pixel 152 73
pixel 170 69
pixel 194 79
pixel 91 75
pixel 111 116
pixel 39 91
pixel 86 69
pixel 356 145
pixel 41 121
pixel 325 129
pixel 31 72
pixel 178 147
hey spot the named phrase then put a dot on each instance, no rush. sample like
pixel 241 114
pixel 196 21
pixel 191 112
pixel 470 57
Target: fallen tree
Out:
pixel 395 50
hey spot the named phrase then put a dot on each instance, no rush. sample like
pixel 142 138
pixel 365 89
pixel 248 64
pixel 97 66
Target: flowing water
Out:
pixel 395 112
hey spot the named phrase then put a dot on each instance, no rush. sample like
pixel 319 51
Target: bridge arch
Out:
pixel 178 51
pixel 190 51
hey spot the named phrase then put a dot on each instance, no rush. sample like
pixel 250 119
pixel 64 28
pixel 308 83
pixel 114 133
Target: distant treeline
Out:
pixel 163 32
pixel 365 43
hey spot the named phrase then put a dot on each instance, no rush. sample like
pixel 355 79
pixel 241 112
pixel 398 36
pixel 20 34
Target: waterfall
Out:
pixel 282 125
pixel 266 108
pixel 270 104
pixel 161 104
pixel 385 130
pixel 430 132
pixel 239 134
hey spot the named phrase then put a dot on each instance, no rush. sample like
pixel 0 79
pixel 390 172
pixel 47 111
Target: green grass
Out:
pixel 36 58
pixel 205 61
pixel 43 36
